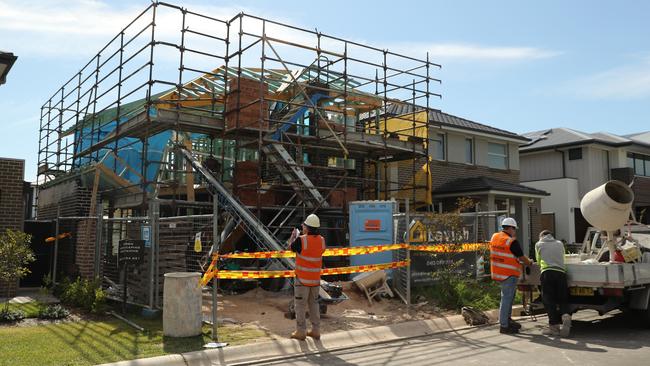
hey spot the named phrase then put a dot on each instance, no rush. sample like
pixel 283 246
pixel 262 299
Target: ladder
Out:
pixel 253 227
pixel 286 165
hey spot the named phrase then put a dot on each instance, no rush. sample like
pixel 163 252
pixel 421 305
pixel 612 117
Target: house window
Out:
pixel 497 156
pixel 336 162
pixel 469 151
pixel 575 154
pixel 439 146
pixel 640 164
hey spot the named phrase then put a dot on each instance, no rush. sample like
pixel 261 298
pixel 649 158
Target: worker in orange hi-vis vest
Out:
pixel 309 248
pixel 506 257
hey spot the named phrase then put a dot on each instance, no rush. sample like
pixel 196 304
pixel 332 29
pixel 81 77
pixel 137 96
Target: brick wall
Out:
pixel 243 105
pixel 11 193
pixel 11 205
pixel 75 254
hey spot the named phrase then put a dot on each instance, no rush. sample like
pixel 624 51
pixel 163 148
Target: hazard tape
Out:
pixel 238 275
pixel 365 268
pixel 348 251
pixel 371 249
pixel 329 252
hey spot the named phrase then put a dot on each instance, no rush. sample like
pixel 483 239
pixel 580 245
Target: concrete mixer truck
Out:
pixel 615 275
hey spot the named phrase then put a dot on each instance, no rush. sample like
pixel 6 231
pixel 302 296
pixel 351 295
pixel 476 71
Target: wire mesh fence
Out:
pixel 91 246
pixel 441 242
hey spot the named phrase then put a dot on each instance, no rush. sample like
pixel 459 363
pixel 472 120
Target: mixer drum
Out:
pixel 608 207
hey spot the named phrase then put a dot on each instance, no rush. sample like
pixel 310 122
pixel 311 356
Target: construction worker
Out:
pixel 506 257
pixel 549 253
pixel 309 248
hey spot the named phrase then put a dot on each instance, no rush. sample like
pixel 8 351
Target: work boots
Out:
pixel 314 334
pixel 566 325
pixel 514 324
pixel 552 330
pixel 298 335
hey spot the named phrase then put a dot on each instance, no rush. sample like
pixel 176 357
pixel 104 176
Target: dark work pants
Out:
pixel 555 295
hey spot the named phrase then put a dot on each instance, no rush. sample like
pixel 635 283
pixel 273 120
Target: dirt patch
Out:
pixel 266 310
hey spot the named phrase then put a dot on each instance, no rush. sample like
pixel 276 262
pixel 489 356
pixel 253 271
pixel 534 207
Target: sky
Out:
pixel 517 65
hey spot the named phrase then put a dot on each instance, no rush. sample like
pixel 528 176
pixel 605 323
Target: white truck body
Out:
pixel 603 286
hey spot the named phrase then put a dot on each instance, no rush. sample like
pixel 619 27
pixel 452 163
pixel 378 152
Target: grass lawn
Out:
pixel 96 342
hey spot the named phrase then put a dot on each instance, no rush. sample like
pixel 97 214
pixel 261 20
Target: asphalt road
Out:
pixel 608 340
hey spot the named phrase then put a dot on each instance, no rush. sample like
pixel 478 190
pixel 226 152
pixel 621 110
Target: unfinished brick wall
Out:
pixel 243 105
pixel 12 173
pixel 76 254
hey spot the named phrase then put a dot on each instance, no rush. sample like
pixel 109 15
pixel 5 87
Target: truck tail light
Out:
pixel 617 292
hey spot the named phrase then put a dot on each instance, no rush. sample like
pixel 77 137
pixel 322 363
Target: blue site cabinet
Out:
pixel 371 223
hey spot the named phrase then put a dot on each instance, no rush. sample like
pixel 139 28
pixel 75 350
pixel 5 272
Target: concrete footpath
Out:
pixel 278 349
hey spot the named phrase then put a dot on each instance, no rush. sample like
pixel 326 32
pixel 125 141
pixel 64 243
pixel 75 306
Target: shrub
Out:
pixel 53 312
pixel 83 293
pixel 8 316
pixel 15 255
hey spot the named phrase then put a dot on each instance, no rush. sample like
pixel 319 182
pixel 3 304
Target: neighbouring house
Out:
pixel 474 160
pixel 569 163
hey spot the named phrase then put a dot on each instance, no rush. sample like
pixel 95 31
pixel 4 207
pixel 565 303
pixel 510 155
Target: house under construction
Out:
pixel 274 120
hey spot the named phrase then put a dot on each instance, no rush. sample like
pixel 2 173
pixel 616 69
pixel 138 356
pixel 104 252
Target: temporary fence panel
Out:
pixel 133 268
pixel 184 246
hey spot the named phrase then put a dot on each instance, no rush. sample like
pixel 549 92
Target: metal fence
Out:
pixel 420 228
pixel 183 244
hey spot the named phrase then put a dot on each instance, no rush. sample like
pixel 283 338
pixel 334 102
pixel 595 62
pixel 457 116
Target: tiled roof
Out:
pixel 446 119
pixel 480 184
pixel 556 137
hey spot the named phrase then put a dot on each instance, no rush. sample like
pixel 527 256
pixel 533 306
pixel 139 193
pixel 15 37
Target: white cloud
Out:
pixel 82 27
pixel 630 81
pixel 458 52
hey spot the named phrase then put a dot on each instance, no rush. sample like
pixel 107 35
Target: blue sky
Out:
pixel 517 65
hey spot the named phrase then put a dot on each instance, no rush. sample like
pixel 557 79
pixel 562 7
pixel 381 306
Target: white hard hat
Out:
pixel 312 221
pixel 509 221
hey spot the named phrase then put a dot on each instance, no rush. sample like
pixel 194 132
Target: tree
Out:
pixel 15 255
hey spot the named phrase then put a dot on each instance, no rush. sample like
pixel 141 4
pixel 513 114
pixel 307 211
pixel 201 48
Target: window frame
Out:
pixel 644 160
pixel 443 142
pixel 472 152
pixel 574 149
pixel 505 157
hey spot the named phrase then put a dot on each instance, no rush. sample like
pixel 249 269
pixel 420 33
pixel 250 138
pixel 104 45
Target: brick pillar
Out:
pixel 85 253
pixel 11 206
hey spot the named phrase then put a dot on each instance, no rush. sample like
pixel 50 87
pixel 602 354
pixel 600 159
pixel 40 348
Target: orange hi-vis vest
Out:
pixel 503 263
pixel 310 260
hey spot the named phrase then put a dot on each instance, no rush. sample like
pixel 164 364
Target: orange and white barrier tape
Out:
pixel 238 275
pixel 371 249
pixel 329 252
pixel 364 268
pixel 347 251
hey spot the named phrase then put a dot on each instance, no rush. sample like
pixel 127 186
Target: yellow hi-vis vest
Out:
pixel 503 263
pixel 310 260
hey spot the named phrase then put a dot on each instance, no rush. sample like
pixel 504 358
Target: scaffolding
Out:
pixel 291 121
